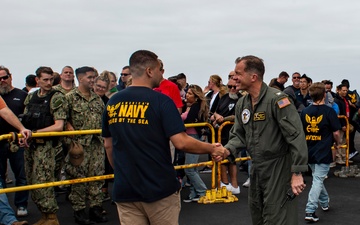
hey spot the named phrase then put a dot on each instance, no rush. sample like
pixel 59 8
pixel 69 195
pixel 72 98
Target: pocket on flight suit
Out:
pixel 289 127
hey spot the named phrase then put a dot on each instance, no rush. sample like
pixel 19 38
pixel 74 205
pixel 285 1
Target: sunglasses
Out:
pixel 296 77
pixel 231 86
pixel 125 74
pixel 4 77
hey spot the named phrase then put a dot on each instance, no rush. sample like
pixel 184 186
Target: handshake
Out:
pixel 219 153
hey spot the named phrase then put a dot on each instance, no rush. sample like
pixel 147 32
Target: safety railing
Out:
pixel 11 137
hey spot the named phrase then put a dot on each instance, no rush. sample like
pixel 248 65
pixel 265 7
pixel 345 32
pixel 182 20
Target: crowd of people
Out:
pixel 143 103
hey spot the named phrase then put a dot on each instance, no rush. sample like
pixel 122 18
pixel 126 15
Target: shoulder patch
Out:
pixel 57 99
pixel 245 116
pixel 282 103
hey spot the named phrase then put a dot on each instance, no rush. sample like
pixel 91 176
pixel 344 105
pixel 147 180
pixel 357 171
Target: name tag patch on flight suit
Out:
pixel 283 102
pixel 245 116
pixel 259 116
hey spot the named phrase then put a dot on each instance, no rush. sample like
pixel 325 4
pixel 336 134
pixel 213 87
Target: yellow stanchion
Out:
pixel 218 196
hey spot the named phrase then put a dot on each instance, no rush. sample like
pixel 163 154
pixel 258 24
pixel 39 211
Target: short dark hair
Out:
pixel 181 76
pixel 83 70
pixel 126 67
pixel 142 59
pixel 283 74
pixel 346 82
pixel 308 79
pixel 341 86
pixel 30 80
pixel 172 79
pixel 44 69
pixel 253 64
pixel 327 82
pixel 317 91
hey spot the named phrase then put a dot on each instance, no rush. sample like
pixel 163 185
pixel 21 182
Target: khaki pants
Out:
pixel 341 152
pixel 162 212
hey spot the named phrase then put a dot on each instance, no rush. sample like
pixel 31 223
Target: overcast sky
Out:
pixel 197 37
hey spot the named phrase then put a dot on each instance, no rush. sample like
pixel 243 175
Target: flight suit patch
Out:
pixel 245 116
pixel 283 102
pixel 259 116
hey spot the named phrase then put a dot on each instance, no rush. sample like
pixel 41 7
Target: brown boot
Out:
pixel 20 223
pixel 42 219
pixel 51 219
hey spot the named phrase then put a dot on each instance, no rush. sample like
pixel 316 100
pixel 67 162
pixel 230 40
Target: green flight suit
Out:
pixel 272 133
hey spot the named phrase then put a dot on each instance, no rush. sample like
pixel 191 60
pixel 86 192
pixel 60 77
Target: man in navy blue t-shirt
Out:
pixel 321 126
pixel 137 126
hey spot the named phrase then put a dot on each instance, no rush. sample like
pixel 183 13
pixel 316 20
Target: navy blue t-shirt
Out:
pixel 140 122
pixel 319 123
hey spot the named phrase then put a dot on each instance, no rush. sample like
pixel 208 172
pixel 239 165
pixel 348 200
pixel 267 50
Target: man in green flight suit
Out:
pixel 268 125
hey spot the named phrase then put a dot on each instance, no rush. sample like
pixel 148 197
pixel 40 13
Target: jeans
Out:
pixel 7 215
pixel 198 186
pixel 249 167
pixel 16 160
pixel 318 193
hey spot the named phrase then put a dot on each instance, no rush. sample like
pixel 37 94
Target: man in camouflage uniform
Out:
pixel 45 111
pixel 85 112
pixel 66 85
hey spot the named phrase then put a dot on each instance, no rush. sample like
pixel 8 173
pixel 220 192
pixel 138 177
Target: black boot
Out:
pixel 96 214
pixel 81 217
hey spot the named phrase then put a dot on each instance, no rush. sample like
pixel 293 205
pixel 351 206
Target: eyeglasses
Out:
pixel 4 77
pixel 231 86
pixel 125 74
pixel 296 77
pixel 100 87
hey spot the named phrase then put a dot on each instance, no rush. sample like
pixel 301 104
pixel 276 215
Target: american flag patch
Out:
pixel 283 103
